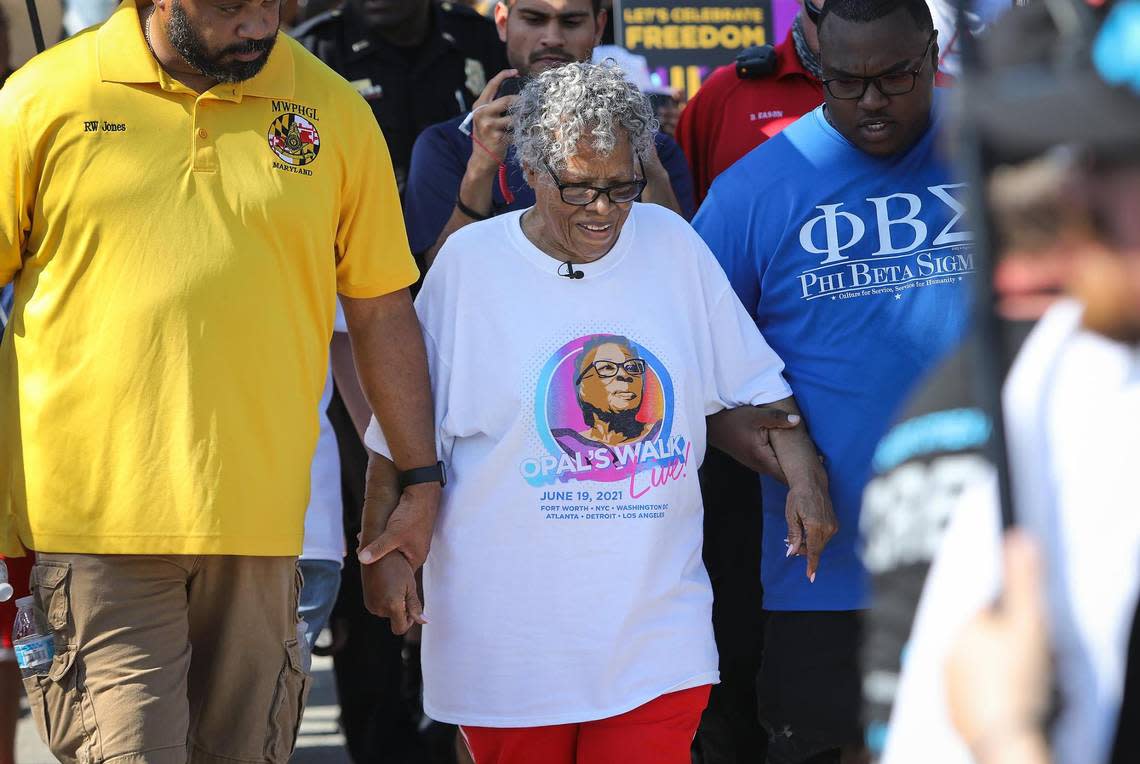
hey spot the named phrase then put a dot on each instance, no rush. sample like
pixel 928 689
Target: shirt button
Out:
pixel 202 132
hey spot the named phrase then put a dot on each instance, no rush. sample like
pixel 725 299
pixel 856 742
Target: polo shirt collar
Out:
pixel 124 57
pixel 122 50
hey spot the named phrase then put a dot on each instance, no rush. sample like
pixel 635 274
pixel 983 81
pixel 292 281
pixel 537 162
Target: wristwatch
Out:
pixel 436 473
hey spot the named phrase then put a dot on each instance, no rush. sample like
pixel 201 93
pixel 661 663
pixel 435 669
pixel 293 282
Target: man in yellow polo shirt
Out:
pixel 183 192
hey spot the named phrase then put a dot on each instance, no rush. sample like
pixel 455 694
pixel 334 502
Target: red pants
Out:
pixel 659 732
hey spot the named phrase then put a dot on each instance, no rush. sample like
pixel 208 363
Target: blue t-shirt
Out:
pixel 854 268
pixel 439 159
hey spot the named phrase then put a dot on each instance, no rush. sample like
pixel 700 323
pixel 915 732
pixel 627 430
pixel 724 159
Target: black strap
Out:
pixel 468 211
pixel 434 473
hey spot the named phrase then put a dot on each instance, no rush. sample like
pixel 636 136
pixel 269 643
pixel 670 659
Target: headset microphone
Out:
pixel 570 273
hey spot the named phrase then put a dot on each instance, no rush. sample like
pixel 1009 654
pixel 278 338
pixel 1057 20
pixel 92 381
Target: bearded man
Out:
pixel 184 193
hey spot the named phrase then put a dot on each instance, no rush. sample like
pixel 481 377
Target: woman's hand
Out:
pixel 811 521
pixel 390 592
pixel 998 670
pixel 808 511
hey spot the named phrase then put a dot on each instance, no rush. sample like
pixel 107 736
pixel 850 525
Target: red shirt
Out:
pixel 728 116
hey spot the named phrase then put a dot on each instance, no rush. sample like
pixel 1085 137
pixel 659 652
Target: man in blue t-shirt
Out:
pixel 844 237
pixel 458 176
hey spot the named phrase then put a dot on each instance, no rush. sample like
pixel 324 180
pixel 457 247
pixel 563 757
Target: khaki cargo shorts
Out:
pixel 168 659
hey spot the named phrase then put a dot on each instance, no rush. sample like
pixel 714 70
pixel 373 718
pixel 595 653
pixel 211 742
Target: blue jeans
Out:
pixel 318 595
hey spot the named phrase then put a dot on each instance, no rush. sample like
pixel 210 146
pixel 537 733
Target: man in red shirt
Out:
pixel 731 115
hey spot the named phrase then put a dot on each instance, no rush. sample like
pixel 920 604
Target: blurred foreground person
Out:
pixel 184 193
pixel 568 610
pixel 1072 476
pixel 938 447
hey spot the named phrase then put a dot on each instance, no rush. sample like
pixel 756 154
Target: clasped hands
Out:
pixel 394 539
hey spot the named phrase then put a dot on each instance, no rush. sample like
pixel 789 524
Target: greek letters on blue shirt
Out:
pixel 856 269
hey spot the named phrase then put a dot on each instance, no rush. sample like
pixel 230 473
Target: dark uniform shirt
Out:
pixel 410 88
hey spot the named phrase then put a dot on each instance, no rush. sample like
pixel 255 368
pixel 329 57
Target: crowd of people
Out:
pixel 442 348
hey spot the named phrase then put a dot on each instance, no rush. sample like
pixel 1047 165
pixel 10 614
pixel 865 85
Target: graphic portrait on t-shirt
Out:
pixel 604 409
pixel 610 386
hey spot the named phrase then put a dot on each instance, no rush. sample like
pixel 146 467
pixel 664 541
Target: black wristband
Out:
pixel 468 211
pixel 435 473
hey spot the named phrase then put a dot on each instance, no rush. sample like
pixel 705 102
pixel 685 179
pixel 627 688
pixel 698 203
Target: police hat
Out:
pixel 1059 73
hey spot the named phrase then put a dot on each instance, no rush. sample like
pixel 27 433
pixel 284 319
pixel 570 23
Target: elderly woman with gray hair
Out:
pixel 576 349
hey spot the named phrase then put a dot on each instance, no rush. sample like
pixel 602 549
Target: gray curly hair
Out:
pixel 575 102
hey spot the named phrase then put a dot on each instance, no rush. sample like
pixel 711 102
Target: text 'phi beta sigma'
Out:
pixel 914 240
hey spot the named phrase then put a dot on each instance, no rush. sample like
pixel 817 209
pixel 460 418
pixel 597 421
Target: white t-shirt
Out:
pixel 324 517
pixel 565 581
pixel 1072 406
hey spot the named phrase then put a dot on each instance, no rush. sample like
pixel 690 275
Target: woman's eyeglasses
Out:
pixel 582 194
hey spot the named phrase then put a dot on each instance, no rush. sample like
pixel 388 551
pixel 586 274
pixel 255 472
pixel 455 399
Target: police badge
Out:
pixel 476 76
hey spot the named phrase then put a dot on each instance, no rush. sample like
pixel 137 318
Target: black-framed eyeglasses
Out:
pixel 583 194
pixel 893 84
pixel 608 369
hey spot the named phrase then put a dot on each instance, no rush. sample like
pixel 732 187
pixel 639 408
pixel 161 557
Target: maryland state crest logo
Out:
pixel 294 139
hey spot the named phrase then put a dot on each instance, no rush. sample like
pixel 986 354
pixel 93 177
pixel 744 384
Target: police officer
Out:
pixel 416 62
pixel 742 105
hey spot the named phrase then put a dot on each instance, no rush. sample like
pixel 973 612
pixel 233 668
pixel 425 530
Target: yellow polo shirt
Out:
pixel 176 258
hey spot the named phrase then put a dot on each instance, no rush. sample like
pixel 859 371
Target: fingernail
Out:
pixel 811 578
pixel 790 550
pixel 794 418
pixel 365 556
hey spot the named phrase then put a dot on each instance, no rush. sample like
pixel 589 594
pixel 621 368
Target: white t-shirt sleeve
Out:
pixel 744 369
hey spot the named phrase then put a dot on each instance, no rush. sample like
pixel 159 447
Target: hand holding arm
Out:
pixel 742 433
